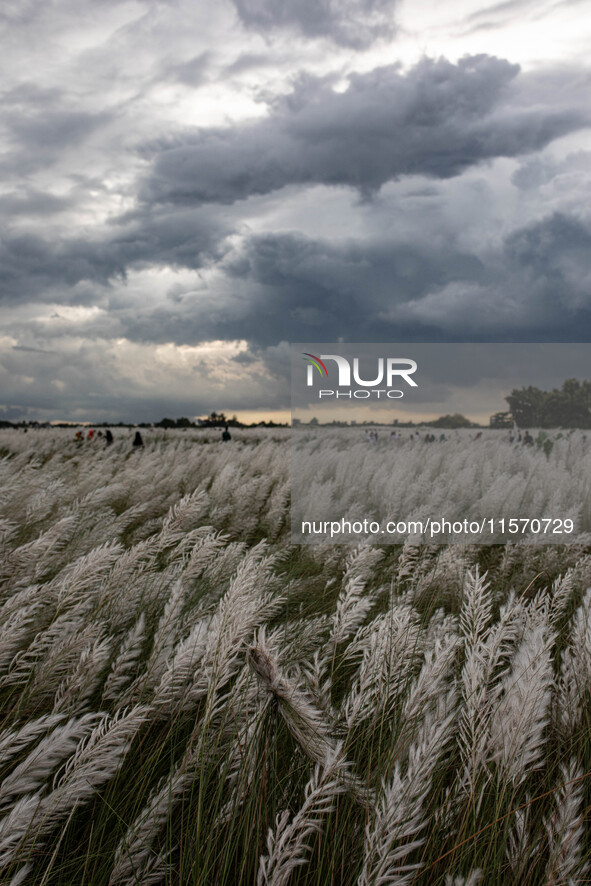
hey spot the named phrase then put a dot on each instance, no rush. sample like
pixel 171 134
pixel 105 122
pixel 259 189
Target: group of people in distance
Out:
pixel 79 436
pixel 108 437
pixel 526 440
pixel 137 443
pixel 372 437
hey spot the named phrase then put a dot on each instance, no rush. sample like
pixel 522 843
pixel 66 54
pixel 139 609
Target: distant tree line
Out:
pixel 569 407
pixel 214 420
pixel 452 421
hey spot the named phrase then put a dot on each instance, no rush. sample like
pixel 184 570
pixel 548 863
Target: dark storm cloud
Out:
pixel 437 120
pixel 288 287
pixel 33 267
pixel 555 255
pixel 352 23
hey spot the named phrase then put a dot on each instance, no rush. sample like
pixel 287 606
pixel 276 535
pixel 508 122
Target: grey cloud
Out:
pixel 352 23
pixel 30 94
pixel 536 172
pixel 286 287
pixel 42 124
pixel 289 287
pixel 437 120
pixel 19 12
pixel 193 72
pixel 33 203
pixel 555 255
pixel 55 130
pixel 507 6
pixel 538 287
pixel 25 12
pixel 248 61
pixel 32 350
pixel 84 383
pixel 15 413
pixel 496 15
pixel 33 268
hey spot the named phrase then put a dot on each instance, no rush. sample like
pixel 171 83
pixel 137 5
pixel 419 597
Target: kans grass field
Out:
pixel 189 698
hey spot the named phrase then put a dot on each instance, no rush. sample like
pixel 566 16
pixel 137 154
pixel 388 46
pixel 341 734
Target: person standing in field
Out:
pixel 108 436
pixel 138 443
pixel 226 435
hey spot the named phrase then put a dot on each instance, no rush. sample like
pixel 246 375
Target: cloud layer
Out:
pixel 437 120
pixel 352 23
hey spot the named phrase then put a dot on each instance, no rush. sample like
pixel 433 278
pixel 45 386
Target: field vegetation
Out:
pixel 474 475
pixel 189 698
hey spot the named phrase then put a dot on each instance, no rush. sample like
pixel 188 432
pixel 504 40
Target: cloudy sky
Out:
pixel 187 187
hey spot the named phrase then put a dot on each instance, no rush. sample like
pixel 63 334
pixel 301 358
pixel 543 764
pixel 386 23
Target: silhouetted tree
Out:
pixel 569 407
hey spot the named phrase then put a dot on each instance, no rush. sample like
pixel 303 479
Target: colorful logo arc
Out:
pixel 317 362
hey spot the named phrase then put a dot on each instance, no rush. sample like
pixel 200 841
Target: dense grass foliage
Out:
pixel 188 698
pixel 470 475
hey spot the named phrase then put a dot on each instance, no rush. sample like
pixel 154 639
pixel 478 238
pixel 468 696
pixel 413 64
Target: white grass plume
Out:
pixel 565 830
pixel 134 855
pixel 473 878
pixel 179 674
pixel 306 723
pixel 16 826
pixel 575 672
pixel 433 676
pixel 96 760
pixel 561 593
pixel 21 875
pixel 354 602
pixel 517 729
pixel 522 847
pixel 167 632
pixel 485 648
pixel 476 611
pixel 400 819
pixel 18 631
pixel 249 601
pixel 86 573
pixel 125 664
pixel 288 843
pixel 62 658
pixel 32 773
pixel 13 741
pixel 391 648
pixel 304 720
pixel 75 692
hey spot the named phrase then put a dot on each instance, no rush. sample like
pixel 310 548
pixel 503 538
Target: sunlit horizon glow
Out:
pixel 173 181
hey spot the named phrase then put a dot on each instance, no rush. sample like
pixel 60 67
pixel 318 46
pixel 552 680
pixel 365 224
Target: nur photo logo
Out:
pixel 345 372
